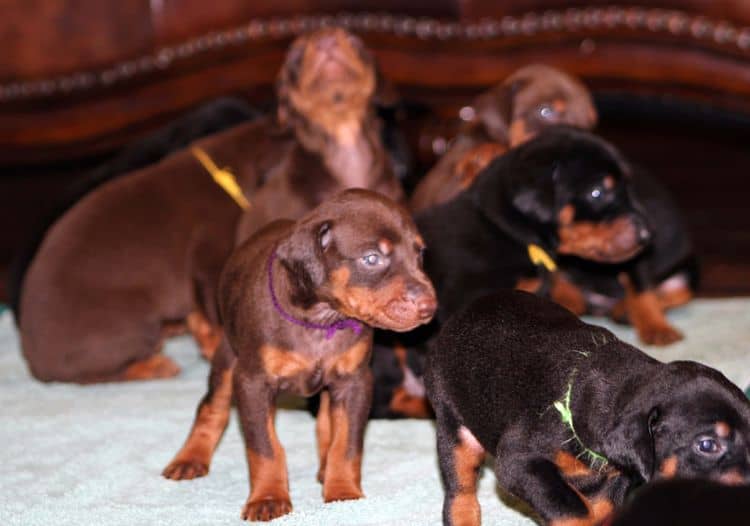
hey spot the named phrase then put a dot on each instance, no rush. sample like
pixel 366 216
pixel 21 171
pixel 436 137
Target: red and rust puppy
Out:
pixel 574 417
pixel 509 114
pixel 139 255
pixel 299 301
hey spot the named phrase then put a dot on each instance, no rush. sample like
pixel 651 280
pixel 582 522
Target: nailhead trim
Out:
pixel 654 20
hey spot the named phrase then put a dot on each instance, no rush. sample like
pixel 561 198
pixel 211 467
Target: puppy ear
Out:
pixel 534 196
pixel 288 78
pixel 494 109
pixel 517 201
pixel 301 255
pixel 631 443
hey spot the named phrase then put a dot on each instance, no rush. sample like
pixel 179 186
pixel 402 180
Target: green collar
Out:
pixel 566 415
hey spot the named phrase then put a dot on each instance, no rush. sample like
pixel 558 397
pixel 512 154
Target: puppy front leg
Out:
pixel 211 420
pixel 269 483
pixel 350 400
pixel 646 314
pixel 538 481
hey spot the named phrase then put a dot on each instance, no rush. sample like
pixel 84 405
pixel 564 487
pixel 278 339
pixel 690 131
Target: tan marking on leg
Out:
pixel 468 456
pixel 671 298
pixel 342 477
pixel 568 295
pixel 194 458
pixel 409 405
pixel 646 315
pixel 570 466
pixel 668 468
pixel 151 368
pixel 207 335
pixel 599 509
pixel 529 284
pixel 323 432
pixel 269 483
pixel 279 362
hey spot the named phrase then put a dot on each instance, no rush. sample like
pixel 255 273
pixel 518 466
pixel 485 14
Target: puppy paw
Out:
pixel 153 367
pixel 266 509
pixel 660 335
pixel 341 491
pixel 185 470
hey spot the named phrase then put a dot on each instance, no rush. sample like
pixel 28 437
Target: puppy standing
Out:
pixel 298 301
pixel 142 254
pixel 528 101
pixel 574 417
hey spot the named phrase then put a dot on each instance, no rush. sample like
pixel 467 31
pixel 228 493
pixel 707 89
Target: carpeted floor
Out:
pixel 92 455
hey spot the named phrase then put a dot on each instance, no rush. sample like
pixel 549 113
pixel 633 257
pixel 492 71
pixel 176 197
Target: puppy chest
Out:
pixel 306 371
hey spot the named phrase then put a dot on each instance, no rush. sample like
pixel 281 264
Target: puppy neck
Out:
pixel 352 151
pixel 302 308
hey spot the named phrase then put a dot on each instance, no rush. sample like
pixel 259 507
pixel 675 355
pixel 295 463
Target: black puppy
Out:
pixel 564 192
pixel 573 416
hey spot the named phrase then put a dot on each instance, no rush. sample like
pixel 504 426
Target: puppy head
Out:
pixel 694 424
pixel 569 190
pixel 361 253
pixel 531 99
pixel 327 81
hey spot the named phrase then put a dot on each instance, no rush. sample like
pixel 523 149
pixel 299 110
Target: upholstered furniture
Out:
pixel 671 77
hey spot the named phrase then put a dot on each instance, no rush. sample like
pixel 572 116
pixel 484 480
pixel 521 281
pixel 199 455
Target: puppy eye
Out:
pixel 372 259
pixel 708 446
pixel 596 193
pixel 547 112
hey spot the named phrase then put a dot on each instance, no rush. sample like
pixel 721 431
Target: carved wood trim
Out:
pixel 629 22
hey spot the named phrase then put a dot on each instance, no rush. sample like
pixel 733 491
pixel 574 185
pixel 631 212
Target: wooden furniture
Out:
pixel 672 79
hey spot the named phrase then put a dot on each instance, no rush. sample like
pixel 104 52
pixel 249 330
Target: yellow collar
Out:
pixel 538 256
pixel 222 177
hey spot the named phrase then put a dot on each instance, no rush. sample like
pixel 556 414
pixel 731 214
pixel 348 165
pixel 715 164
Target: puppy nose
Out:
pixel 426 307
pixel 327 42
pixel 423 298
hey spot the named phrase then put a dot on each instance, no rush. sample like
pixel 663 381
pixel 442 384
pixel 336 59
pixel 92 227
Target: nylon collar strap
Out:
pixel 223 177
pixel 539 257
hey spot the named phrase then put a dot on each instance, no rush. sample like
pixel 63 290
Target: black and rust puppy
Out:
pixel 298 301
pixel 574 417
pixel 564 192
pixel 664 275
pixel 505 116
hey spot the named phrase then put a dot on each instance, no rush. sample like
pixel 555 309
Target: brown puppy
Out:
pixel 135 258
pixel 298 302
pixel 509 114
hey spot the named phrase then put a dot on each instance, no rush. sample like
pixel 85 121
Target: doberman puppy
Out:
pixel 662 276
pixel 511 113
pixel 573 416
pixel 298 302
pixel 139 255
pixel 564 192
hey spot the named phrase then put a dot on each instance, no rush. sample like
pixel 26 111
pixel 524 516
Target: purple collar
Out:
pixel 340 325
